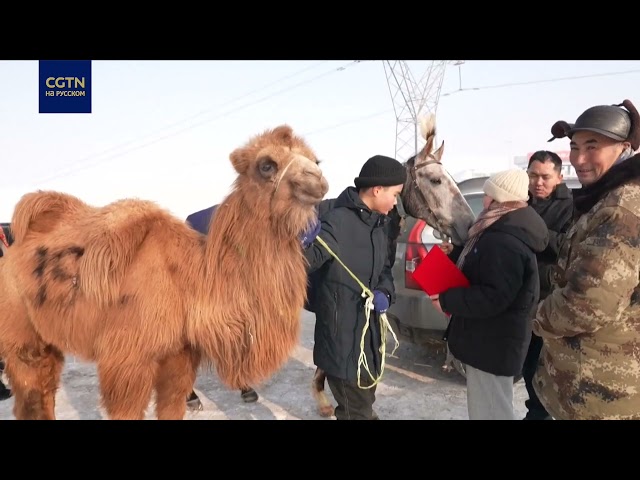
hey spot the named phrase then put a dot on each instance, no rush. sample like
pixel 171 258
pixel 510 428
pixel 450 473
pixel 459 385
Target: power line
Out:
pixel 331 127
pixel 348 122
pixel 84 164
pixel 323 129
pixel 535 82
pixel 504 85
pixel 382 112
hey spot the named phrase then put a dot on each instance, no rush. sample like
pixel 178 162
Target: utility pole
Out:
pixel 413 99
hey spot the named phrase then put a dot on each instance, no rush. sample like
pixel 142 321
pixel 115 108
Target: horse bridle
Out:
pixel 431 160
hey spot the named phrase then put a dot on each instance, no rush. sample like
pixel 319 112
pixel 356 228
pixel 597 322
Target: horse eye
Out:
pixel 435 181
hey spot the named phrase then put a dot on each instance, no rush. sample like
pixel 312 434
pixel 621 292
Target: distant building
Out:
pixel 567 169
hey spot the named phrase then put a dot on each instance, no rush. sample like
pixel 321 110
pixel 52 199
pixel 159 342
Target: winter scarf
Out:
pixel 487 218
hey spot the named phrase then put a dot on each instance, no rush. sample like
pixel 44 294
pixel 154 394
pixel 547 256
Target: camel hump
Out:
pixel 113 235
pixel 40 212
pixel 108 237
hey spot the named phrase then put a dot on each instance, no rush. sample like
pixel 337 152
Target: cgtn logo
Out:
pixel 65 86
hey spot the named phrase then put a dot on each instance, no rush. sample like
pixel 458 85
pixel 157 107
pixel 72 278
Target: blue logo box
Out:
pixel 65 86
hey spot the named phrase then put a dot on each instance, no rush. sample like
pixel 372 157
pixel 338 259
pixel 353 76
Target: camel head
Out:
pixel 431 194
pixel 279 178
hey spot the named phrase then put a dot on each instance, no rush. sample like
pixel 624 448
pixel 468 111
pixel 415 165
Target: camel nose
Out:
pixel 313 170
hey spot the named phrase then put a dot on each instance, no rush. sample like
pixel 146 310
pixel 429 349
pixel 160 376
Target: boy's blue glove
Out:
pixel 309 235
pixel 380 301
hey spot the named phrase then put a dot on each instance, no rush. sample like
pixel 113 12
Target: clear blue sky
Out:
pixel 163 130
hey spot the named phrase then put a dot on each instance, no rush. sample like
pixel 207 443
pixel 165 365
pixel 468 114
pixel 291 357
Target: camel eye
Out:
pixel 435 181
pixel 267 166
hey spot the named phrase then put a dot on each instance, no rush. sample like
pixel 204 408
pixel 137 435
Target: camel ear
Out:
pixel 240 159
pixel 438 153
pixel 283 134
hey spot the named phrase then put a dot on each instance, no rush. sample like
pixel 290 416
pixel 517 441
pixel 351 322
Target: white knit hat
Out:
pixel 508 186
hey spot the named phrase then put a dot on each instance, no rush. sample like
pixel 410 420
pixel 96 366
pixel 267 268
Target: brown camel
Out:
pixel 430 194
pixel 137 291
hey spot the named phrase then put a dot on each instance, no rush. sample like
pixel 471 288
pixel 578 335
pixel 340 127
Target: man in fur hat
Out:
pixel 590 323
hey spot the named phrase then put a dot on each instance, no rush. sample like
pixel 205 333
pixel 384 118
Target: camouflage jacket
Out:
pixel 590 362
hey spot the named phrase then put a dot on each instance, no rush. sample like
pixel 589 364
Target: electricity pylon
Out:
pixel 413 99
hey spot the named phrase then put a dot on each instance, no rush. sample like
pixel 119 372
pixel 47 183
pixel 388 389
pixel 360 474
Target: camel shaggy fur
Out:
pixel 137 291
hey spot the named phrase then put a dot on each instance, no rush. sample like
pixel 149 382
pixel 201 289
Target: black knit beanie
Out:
pixel 382 171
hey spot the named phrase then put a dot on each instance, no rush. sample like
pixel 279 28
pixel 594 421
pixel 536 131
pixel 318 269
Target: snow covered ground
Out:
pixel 414 388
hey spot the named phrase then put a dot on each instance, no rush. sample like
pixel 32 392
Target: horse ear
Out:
pixel 424 153
pixel 429 146
pixel 240 159
pixel 438 153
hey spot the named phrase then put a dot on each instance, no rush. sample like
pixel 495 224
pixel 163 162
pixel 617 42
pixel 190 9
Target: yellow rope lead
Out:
pixel 384 324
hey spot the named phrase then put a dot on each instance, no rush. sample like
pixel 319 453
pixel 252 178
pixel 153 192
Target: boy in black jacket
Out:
pixel 355 229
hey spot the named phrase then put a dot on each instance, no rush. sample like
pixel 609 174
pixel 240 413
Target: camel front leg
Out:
pixel 126 388
pixel 174 383
pixel 34 373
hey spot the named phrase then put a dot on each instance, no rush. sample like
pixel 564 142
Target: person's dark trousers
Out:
pixel 5 392
pixel 535 409
pixel 354 403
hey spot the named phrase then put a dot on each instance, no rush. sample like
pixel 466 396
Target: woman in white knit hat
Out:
pixel 490 325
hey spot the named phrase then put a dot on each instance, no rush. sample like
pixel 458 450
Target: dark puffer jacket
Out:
pixel 490 326
pixel 360 238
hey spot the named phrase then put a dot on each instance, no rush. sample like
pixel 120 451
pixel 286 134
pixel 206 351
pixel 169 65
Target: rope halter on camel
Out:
pixel 384 325
pixel 282 175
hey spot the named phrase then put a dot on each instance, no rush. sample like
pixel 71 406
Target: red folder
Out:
pixel 436 273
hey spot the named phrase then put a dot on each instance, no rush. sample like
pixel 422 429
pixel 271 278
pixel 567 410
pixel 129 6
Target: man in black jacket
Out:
pixel 553 201
pixel 356 230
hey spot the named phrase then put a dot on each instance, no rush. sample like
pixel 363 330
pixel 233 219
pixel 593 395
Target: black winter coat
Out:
pixel 490 327
pixel 360 239
pixel 556 211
